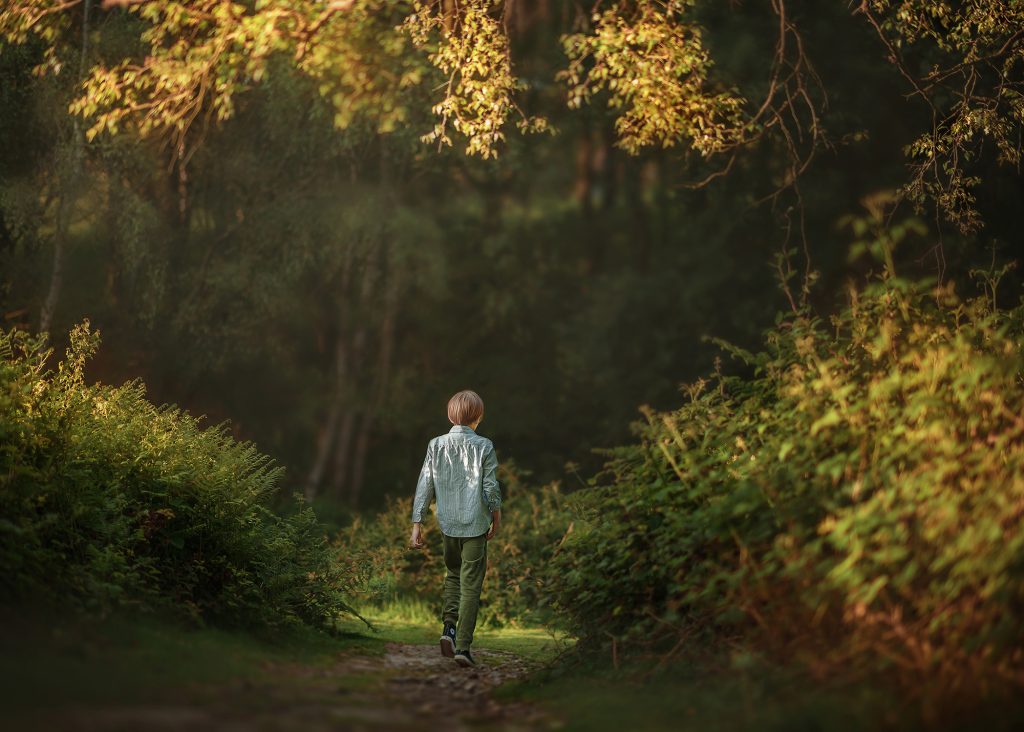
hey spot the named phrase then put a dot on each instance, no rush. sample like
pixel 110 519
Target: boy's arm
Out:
pixel 421 502
pixel 492 491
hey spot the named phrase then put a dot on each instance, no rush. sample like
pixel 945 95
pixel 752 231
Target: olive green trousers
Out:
pixel 465 557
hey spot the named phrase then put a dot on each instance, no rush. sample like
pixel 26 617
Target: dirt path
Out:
pixel 408 687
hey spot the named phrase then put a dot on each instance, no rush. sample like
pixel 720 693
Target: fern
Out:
pixel 109 500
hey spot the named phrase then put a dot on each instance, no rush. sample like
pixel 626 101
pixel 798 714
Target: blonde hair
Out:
pixel 466 407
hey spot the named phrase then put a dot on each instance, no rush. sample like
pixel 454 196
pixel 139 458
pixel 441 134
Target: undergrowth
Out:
pixel 534 524
pixel 853 503
pixel 108 501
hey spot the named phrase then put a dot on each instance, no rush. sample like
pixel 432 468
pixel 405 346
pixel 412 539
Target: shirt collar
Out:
pixel 461 429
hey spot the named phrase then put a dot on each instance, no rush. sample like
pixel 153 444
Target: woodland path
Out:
pixel 408 687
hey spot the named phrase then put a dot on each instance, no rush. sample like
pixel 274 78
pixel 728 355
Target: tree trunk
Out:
pixel 68 185
pixel 60 237
pixel 342 449
pixel 326 436
pixel 583 185
pixel 449 10
pixel 340 472
pixel 634 193
pixel 604 168
pixel 380 391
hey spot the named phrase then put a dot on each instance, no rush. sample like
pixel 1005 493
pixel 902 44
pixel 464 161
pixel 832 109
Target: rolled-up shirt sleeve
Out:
pixel 492 491
pixel 424 489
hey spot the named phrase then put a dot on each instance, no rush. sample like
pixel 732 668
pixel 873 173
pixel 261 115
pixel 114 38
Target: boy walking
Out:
pixel 459 470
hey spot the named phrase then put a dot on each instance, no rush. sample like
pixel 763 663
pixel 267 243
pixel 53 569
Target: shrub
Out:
pixel 534 523
pixel 854 501
pixel 108 500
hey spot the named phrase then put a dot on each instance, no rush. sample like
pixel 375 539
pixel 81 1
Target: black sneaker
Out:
pixel 464 659
pixel 448 640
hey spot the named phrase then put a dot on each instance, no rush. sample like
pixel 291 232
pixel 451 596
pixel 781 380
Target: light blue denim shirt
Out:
pixel 460 470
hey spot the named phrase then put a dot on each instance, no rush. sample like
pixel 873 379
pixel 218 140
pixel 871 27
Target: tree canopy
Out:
pixel 382 60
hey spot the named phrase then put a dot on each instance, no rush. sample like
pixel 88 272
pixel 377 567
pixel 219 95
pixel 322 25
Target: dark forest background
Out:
pixel 326 291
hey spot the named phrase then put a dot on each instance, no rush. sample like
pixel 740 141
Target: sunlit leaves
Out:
pixel 46 19
pixel 470 49
pixel 365 66
pixel 861 492
pixel 202 54
pixel 654 68
pixel 973 53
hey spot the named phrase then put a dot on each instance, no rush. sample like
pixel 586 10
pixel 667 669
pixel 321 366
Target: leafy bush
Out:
pixel 854 501
pixel 106 500
pixel 534 523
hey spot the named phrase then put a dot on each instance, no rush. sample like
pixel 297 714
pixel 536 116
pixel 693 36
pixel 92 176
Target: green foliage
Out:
pixel 108 500
pixel 192 60
pixel 854 500
pixel 473 55
pixel 962 60
pixel 654 67
pixel 534 524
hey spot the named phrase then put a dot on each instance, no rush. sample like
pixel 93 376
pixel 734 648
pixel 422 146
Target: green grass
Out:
pixel 55 661
pixel 534 644
pixel 50 662
pixel 416 622
pixel 737 694
pixel 702 699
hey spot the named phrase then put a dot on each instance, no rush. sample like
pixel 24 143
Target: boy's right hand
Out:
pixel 495 524
pixel 416 540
